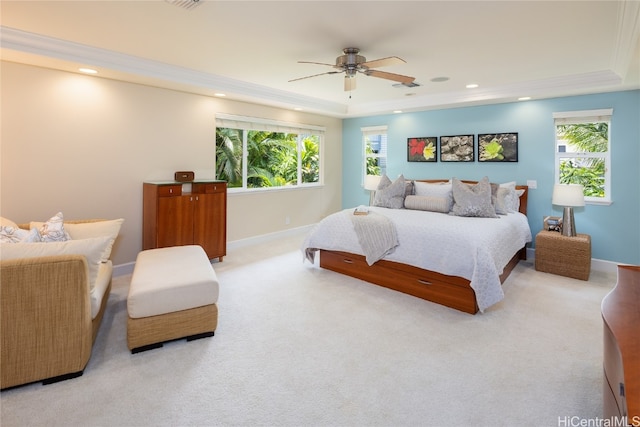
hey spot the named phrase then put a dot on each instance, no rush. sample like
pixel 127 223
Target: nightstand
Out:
pixel 566 256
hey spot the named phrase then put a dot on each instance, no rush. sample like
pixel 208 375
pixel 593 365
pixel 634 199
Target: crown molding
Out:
pixel 628 36
pixel 37 44
pixel 504 93
pixel 200 82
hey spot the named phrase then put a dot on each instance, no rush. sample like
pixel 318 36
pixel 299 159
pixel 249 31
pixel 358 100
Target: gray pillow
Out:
pixel 435 189
pixel 427 203
pixel 390 194
pixel 472 200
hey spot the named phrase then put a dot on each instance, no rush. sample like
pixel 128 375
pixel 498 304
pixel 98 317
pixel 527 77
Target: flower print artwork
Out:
pixel 422 149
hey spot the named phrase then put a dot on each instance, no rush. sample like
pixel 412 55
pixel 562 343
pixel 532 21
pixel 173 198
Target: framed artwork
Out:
pixel 498 147
pixel 423 149
pixel 457 148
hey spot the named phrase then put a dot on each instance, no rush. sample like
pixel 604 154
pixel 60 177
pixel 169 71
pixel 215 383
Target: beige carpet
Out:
pixel 300 346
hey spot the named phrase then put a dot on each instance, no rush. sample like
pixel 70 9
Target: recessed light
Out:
pixel 472 85
pixel 87 71
pixel 397 111
pixel 219 95
pixel 524 98
pixel 298 108
pixel 439 79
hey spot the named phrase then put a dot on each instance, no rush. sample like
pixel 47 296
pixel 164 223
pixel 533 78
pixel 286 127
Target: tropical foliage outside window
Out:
pixel 375 150
pixel 583 152
pixel 264 158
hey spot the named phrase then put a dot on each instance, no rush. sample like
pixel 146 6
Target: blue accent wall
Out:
pixel 614 229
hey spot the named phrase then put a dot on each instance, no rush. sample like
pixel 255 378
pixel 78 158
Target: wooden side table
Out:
pixel 562 255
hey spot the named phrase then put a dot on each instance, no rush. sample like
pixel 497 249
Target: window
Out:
pixel 256 153
pixel 374 142
pixel 583 152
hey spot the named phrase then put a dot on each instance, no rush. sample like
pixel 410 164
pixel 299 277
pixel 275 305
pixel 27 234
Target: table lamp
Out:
pixel 371 183
pixel 568 196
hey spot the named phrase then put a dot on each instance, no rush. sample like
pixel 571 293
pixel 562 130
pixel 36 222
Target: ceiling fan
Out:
pixel 351 63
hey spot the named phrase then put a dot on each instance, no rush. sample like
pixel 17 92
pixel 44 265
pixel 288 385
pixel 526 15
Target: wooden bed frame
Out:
pixel 451 291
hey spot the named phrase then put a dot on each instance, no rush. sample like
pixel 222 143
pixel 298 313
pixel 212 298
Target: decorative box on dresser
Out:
pixel 562 255
pixel 177 214
pixel 621 316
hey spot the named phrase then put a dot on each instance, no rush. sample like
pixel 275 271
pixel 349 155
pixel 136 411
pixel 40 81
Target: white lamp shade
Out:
pixel 571 195
pixel 371 182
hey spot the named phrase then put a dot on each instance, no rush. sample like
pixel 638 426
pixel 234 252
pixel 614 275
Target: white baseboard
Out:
pixel 264 238
pixel 596 264
pixel 124 269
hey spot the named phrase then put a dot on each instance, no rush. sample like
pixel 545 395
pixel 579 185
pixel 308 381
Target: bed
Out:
pixel 460 262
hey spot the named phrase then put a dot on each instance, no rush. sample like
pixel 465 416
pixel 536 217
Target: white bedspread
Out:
pixel 477 249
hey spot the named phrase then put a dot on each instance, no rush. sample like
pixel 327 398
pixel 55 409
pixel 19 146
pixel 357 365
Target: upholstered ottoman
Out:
pixel 173 295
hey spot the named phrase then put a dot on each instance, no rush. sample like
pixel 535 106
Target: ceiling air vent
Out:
pixel 185 4
pixel 410 84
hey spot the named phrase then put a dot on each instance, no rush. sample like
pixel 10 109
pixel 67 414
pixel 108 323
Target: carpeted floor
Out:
pixel 300 346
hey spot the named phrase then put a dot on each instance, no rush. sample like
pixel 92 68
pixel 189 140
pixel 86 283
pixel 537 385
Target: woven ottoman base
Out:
pixel 146 333
pixel 172 295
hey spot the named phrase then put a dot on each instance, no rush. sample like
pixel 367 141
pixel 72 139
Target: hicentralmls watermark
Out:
pixel 576 421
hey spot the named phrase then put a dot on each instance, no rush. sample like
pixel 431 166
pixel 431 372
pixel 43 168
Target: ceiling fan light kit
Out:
pixel 351 63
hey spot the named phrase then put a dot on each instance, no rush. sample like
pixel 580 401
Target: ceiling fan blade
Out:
pixel 317 63
pixel 384 62
pixel 390 76
pixel 315 75
pixel 349 83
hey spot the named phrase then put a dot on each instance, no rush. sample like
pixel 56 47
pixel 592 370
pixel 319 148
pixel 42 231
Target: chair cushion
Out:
pixel 167 280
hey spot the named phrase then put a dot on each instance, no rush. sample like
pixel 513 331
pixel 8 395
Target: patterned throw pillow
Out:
pixel 10 234
pixel 53 230
pixel 473 200
pixel 390 194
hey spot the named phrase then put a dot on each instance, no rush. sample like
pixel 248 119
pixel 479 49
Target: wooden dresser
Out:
pixel 176 214
pixel 621 315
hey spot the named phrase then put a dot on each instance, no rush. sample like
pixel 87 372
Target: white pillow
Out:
pixel 86 230
pixel 511 196
pixel 92 249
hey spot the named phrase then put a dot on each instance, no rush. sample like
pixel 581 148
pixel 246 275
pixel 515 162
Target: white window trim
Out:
pixel 257 123
pixel 585 116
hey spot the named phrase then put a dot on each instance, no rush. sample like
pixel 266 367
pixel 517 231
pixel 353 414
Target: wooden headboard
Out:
pixel 523 199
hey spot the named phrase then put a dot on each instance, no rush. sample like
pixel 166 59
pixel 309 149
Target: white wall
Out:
pixel 84 145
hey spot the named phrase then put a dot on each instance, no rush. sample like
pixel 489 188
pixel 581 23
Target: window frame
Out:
pixel 374 130
pixel 247 124
pixel 584 117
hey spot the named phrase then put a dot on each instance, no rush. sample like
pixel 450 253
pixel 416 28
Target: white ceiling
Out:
pixel 249 49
